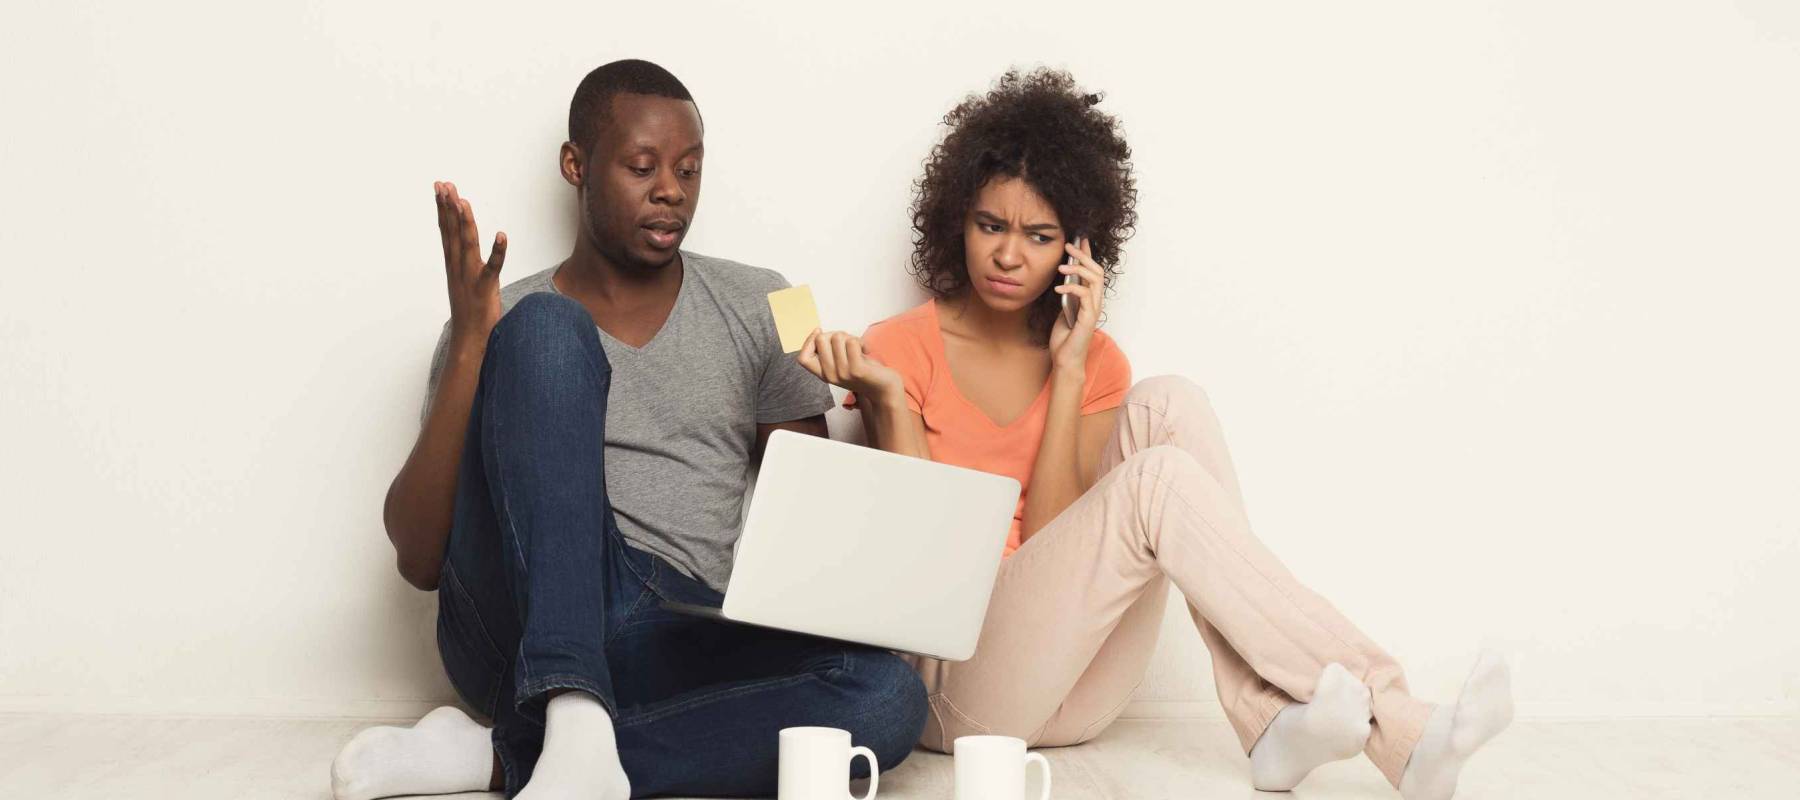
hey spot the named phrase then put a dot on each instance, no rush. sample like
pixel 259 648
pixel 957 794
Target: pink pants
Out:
pixel 1076 611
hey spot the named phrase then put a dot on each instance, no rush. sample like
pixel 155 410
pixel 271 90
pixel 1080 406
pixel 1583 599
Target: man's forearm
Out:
pixel 420 501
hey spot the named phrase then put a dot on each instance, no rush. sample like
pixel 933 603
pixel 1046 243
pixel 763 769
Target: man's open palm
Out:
pixel 474 282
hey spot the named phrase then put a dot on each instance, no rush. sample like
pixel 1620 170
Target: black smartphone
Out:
pixel 1071 305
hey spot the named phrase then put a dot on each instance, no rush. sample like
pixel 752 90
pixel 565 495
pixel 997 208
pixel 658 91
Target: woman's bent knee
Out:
pixel 1166 391
pixel 1163 461
pixel 945 723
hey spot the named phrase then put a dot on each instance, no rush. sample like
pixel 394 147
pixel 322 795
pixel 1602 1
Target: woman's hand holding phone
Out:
pixel 1069 341
pixel 839 359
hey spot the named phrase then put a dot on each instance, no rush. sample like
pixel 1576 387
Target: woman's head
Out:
pixel 1023 169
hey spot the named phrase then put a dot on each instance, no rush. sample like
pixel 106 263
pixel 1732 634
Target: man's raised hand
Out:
pixel 474 283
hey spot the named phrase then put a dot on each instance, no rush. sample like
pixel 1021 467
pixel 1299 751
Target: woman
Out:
pixel 1126 487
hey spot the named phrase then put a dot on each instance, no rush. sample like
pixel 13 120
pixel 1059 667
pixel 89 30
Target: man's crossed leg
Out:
pixel 540 594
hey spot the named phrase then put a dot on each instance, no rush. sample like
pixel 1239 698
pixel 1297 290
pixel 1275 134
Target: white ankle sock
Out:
pixel 1333 726
pixel 444 752
pixel 1454 733
pixel 580 758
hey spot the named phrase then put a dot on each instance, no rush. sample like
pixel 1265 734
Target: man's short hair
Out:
pixel 592 106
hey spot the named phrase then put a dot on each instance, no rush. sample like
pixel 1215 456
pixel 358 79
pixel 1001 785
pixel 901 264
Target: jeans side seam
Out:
pixel 655 564
pixel 487 637
pixel 497 488
pixel 660 712
pixel 486 700
pixel 625 620
pixel 507 770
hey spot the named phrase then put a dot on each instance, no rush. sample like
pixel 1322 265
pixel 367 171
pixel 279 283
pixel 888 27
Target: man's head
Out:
pixel 633 154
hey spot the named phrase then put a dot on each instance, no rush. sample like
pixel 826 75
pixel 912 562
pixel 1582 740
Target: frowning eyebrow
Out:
pixel 993 219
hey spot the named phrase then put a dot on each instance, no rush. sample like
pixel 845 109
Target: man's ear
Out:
pixel 572 163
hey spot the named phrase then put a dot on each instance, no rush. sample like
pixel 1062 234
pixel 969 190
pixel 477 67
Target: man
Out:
pixel 583 456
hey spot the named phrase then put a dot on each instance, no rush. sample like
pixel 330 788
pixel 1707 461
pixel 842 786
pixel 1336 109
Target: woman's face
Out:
pixel 1012 244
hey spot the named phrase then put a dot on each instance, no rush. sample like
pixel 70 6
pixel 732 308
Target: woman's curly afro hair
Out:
pixel 1041 127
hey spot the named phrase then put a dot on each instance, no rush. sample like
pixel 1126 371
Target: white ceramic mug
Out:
pixel 815 765
pixel 993 768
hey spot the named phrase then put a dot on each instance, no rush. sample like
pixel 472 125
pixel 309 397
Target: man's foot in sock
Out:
pixel 444 752
pixel 1332 727
pixel 580 760
pixel 1453 733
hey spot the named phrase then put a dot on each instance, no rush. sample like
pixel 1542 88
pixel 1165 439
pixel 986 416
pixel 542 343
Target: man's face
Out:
pixel 641 183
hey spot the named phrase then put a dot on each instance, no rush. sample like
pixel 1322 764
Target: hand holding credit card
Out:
pixel 795 315
pixel 835 357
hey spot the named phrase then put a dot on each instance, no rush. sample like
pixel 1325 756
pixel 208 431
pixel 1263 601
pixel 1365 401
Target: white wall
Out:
pixel 1495 301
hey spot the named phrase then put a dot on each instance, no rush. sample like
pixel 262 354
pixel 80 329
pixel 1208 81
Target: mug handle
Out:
pixel 875 771
pixel 1042 762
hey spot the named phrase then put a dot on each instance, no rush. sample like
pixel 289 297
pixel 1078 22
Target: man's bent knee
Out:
pixel 542 315
pixel 546 330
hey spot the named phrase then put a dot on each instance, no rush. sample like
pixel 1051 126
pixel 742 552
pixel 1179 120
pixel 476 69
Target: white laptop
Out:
pixel 863 545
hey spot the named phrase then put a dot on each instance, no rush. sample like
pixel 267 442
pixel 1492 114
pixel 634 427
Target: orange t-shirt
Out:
pixel 955 429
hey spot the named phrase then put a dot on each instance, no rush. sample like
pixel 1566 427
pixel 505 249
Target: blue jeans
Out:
pixel 539 591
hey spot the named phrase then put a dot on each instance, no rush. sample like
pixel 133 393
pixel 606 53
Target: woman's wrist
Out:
pixel 884 398
pixel 1068 374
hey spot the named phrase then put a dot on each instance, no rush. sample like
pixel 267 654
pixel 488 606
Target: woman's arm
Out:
pixel 1069 453
pixel 841 360
pixel 1058 475
pixel 893 427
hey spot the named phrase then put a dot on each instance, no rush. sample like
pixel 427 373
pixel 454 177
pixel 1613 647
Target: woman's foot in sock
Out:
pixel 580 760
pixel 1454 733
pixel 1332 727
pixel 444 752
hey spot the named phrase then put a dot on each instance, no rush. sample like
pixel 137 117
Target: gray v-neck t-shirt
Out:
pixel 682 412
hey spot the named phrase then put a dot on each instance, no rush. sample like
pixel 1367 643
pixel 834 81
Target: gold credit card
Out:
pixel 795 315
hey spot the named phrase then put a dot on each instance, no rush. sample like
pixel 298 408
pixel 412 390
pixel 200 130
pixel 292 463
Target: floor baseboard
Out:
pixel 413 708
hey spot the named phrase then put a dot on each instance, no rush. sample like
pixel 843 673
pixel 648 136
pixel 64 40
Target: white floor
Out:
pixel 58 756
